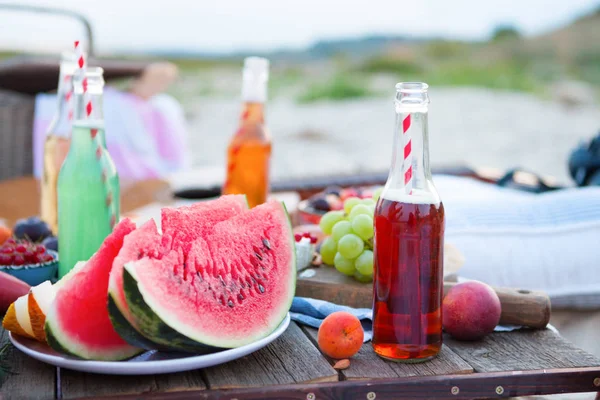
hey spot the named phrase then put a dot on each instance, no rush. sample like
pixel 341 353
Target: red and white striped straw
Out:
pixel 408 169
pixel 82 66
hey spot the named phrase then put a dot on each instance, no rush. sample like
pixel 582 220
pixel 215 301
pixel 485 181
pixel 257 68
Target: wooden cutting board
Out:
pixel 519 307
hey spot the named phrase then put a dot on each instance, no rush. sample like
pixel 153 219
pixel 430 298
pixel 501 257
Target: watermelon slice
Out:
pixel 235 286
pixel 77 322
pixel 181 225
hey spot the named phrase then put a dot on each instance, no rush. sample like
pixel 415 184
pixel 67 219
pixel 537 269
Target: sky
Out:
pixel 230 25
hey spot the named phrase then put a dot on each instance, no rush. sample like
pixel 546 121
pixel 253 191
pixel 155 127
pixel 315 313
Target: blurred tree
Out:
pixel 504 32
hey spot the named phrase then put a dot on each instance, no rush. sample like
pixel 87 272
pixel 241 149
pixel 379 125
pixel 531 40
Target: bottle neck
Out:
pixel 410 173
pixel 88 107
pixel 253 113
pixel 254 87
pixel 84 139
pixel 61 123
pixel 88 115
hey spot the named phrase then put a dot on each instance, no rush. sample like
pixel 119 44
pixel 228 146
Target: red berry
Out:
pixel 21 248
pixel 5 259
pixel 297 236
pixel 313 239
pixel 39 249
pixel 31 257
pixel 306 235
pixel 18 259
pixel 10 241
pixel 47 258
pixel 7 249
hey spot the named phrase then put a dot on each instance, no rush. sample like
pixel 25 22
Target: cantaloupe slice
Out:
pixel 39 302
pixel 22 312
pixel 11 324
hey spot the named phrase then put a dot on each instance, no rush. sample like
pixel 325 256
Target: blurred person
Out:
pixel 146 132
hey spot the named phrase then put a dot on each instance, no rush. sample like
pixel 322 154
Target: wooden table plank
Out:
pixel 522 351
pixel 368 365
pixel 79 384
pixel 30 379
pixel 290 359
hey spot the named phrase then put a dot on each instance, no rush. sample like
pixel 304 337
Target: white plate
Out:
pixel 148 363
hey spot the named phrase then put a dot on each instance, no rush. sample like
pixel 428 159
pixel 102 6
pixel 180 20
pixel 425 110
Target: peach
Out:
pixel 340 335
pixel 470 310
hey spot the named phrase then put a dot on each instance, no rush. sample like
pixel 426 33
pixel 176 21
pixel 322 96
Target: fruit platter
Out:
pixel 214 285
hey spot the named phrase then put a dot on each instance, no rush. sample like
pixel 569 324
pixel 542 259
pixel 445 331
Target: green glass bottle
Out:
pixel 88 183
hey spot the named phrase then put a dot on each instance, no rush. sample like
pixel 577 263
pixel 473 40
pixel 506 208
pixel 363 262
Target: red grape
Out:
pixel 39 249
pixel 306 235
pixel 31 257
pixel 18 259
pixel 7 249
pixel 10 241
pixel 297 237
pixel 47 257
pixel 21 248
pixel 313 239
pixel 6 259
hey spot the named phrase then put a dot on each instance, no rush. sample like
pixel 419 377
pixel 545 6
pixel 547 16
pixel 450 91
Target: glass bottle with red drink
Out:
pixel 409 241
pixel 249 151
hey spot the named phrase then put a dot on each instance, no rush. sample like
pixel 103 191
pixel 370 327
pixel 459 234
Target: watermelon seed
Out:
pixel 261 288
pixel 222 300
pixel 266 243
pixel 222 281
pixel 199 276
pixel 240 297
pixel 258 256
pixel 230 303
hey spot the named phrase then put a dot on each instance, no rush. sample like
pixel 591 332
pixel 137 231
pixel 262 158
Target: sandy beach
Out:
pixel 469 126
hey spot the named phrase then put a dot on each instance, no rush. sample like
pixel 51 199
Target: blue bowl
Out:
pixel 34 274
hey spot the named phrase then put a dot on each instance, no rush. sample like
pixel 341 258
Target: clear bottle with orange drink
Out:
pixel 249 151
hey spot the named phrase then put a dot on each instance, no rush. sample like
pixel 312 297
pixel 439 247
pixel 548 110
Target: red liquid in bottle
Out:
pixel 408 288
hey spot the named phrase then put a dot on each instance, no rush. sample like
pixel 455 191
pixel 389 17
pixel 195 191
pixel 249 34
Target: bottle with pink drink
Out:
pixel 409 241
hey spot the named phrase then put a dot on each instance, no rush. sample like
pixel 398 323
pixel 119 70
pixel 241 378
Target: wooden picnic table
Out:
pixel 504 364
pixel 507 364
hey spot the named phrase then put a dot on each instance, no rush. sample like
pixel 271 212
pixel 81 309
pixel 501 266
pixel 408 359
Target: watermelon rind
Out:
pixel 58 343
pixel 152 325
pixel 126 330
pixel 145 310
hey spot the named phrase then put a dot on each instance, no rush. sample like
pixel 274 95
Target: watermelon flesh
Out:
pixel 235 287
pixel 182 225
pixel 78 322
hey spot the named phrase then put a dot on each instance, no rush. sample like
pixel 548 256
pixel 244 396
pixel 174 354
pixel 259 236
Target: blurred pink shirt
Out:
pixel 145 138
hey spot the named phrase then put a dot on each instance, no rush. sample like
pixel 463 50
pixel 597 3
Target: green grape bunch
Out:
pixel 349 244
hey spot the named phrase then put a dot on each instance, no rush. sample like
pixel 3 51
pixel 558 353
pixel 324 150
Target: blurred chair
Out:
pixel 16 139
pixel 22 77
